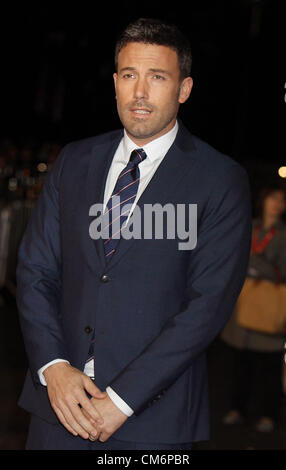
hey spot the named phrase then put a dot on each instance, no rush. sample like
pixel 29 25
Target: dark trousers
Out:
pixel 257 376
pixel 46 436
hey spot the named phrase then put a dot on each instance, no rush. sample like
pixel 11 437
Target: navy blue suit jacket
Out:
pixel 161 308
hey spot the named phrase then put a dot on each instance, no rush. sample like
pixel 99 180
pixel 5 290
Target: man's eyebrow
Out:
pixel 126 69
pixel 160 71
pixel 132 69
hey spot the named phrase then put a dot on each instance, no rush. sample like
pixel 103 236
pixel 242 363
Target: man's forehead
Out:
pixel 153 54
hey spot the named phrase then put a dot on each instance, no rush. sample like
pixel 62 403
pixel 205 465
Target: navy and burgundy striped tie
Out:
pixel 125 191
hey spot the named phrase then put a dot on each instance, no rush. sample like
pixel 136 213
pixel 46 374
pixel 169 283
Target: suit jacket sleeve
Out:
pixel 38 277
pixel 216 272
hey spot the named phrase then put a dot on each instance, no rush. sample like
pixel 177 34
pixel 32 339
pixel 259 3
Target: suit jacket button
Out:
pixel 105 278
pixel 88 329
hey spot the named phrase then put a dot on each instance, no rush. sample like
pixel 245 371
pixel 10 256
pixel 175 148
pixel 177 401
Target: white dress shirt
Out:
pixel 155 151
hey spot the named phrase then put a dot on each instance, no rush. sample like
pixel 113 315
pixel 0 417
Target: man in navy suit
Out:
pixel 116 329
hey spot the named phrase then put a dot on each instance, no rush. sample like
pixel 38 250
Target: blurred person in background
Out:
pixel 258 357
pixel 8 162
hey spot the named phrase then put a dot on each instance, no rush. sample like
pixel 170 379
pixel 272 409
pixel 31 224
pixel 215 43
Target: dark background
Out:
pixel 56 86
pixel 57 65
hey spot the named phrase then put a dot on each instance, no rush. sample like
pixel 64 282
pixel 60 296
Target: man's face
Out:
pixel 148 90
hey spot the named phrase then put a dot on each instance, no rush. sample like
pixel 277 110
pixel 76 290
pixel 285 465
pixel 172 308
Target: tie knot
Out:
pixel 137 156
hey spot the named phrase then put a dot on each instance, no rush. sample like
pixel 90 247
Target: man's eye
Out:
pixel 128 75
pixel 159 77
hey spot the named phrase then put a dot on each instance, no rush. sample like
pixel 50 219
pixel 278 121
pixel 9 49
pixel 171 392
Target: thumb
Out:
pixel 92 389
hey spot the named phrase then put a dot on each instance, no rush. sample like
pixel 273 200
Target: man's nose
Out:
pixel 141 89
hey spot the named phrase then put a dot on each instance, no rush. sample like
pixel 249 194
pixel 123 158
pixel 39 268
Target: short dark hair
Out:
pixel 154 31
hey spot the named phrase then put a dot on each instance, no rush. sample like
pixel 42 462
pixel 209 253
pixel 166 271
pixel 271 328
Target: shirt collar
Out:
pixel 155 149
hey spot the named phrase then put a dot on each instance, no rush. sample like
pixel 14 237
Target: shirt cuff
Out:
pixel 121 404
pixel 42 369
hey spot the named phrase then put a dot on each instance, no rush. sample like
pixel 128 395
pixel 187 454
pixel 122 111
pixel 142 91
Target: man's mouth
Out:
pixel 141 111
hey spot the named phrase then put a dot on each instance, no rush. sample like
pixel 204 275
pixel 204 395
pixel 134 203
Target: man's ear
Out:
pixel 115 76
pixel 185 89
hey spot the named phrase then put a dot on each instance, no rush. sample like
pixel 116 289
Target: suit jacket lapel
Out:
pixel 100 161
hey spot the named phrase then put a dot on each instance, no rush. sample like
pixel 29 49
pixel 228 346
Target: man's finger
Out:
pixel 93 437
pixel 103 437
pixel 69 412
pixel 81 419
pixel 64 422
pixel 92 389
pixel 91 411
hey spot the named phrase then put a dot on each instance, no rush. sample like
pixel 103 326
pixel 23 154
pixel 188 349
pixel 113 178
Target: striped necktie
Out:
pixel 125 191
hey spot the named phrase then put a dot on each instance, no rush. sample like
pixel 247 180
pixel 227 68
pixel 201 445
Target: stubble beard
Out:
pixel 144 130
